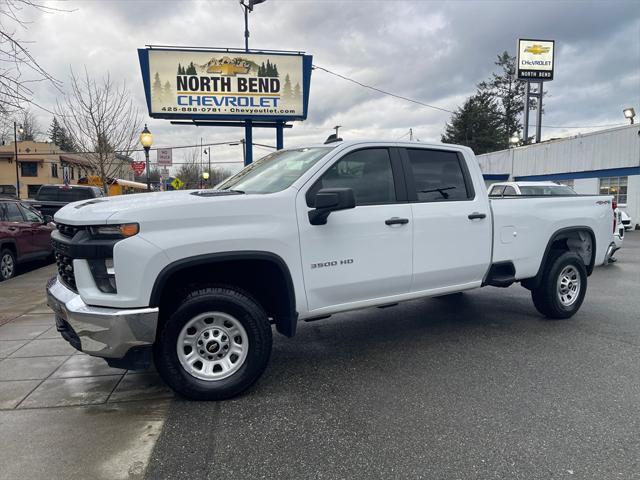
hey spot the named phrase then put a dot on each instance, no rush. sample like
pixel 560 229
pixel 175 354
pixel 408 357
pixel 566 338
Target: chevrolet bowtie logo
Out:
pixel 228 69
pixel 537 49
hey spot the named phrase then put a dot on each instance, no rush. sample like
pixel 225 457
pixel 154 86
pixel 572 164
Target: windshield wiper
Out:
pixel 441 191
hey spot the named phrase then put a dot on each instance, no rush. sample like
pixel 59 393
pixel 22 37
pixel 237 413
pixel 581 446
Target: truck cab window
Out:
pixel 367 172
pixel 437 175
pixel 509 190
pixel 496 191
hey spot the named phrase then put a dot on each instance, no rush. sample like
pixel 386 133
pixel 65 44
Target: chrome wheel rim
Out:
pixel 569 284
pixel 212 346
pixel 6 266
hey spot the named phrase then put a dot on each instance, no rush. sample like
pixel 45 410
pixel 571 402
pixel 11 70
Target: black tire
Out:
pixel 7 264
pixel 546 297
pixel 230 301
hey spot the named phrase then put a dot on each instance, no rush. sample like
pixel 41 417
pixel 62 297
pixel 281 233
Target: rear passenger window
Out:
pixel 438 176
pixel 13 214
pixel 367 172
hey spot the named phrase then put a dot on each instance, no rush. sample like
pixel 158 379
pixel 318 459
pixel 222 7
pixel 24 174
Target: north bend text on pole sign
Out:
pixel 209 84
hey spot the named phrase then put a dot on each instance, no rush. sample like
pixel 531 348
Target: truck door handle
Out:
pixel 474 215
pixel 396 221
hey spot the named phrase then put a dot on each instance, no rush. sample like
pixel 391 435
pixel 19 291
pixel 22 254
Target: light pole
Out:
pixel 208 152
pixel 146 140
pixel 17 128
pixel 629 113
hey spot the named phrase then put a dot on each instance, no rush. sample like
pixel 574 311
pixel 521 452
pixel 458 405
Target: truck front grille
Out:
pixel 65 268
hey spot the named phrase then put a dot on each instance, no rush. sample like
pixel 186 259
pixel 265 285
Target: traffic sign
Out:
pixel 165 157
pixel 177 184
pixel 138 167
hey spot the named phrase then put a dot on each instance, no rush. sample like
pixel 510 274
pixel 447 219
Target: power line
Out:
pixel 230 143
pixel 384 92
pixel 418 102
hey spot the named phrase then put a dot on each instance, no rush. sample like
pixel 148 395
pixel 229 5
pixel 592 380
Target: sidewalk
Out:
pixel 66 405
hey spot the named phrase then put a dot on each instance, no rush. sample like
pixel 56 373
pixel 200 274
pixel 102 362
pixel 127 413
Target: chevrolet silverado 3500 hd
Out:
pixel 193 280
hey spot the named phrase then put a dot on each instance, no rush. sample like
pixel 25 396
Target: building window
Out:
pixel 616 186
pixel 72 173
pixel 54 170
pixel 29 169
pixel 7 189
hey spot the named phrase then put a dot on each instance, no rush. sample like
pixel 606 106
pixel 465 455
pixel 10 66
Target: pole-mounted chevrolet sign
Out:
pixel 225 84
pixel 535 60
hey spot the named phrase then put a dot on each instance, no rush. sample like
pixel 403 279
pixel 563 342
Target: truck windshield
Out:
pixel 547 190
pixel 276 171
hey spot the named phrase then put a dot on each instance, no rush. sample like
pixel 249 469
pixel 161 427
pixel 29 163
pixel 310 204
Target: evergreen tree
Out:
pixel 59 136
pixel 262 71
pixel 191 69
pixel 166 92
pixel 180 69
pixel 156 88
pixel 286 89
pixel 478 124
pixel 297 91
pixel 509 93
pixel 275 71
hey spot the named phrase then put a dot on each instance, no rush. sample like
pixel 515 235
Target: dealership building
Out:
pixel 602 162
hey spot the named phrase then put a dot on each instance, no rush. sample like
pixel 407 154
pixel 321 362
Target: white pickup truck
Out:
pixel 193 280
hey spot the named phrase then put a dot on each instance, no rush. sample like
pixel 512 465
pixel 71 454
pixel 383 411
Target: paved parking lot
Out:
pixel 478 386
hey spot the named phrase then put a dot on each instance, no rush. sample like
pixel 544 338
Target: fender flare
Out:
pixel 535 281
pixel 286 324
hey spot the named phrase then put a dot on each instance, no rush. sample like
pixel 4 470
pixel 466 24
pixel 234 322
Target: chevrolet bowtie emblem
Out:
pixel 228 69
pixel 537 49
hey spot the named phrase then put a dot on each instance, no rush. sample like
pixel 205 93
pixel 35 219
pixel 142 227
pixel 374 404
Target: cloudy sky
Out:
pixel 431 51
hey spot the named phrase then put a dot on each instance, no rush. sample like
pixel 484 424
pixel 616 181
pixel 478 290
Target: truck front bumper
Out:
pixel 122 336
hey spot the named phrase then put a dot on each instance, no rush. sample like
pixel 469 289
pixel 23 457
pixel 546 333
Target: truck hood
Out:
pixel 134 207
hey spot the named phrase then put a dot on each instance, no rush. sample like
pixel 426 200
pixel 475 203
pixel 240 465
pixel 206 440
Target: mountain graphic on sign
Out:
pixel 230 67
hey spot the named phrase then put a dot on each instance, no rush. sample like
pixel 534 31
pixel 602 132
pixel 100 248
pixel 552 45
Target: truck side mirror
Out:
pixel 329 200
pixel 48 219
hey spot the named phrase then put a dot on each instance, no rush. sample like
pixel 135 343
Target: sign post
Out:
pixel 227 87
pixel 535 65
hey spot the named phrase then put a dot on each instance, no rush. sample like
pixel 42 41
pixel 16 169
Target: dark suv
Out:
pixel 25 235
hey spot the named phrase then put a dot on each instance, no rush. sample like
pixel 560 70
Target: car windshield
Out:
pixel 547 190
pixel 276 171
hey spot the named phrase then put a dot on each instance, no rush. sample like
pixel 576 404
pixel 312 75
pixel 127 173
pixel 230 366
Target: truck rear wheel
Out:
pixel 215 345
pixel 562 287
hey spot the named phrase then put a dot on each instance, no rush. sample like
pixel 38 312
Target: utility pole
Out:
pixel 15 146
pixel 411 134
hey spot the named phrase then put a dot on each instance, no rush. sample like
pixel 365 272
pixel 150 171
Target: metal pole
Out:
pixel 246 27
pixel 539 121
pixel 146 154
pixel 209 167
pixel 279 136
pixel 248 136
pixel 526 114
pixel 244 152
pixel 15 146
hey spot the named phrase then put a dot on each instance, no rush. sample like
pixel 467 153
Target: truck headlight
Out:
pixel 124 230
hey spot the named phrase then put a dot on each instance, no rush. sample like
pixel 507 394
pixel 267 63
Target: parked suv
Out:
pixel 25 235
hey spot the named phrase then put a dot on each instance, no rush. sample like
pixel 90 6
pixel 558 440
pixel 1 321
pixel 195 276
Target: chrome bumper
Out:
pixel 102 332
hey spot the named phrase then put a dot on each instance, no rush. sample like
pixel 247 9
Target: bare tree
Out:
pixel 19 69
pixel 30 126
pixel 190 170
pixel 101 119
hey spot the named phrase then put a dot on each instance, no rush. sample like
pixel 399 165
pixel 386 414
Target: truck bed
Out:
pixel 523 226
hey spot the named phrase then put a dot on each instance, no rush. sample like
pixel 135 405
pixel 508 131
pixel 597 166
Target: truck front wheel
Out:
pixel 215 345
pixel 562 287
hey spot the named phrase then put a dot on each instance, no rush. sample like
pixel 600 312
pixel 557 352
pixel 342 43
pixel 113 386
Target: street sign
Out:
pixel 138 167
pixel 177 184
pixel 165 157
pixel 535 60
pixel 164 172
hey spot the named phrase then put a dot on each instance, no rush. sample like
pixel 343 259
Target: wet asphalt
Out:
pixel 477 386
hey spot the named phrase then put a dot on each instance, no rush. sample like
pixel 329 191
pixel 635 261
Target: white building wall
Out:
pixel 586 186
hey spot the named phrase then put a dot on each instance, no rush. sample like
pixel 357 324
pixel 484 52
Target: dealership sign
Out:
pixel 535 60
pixel 225 85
